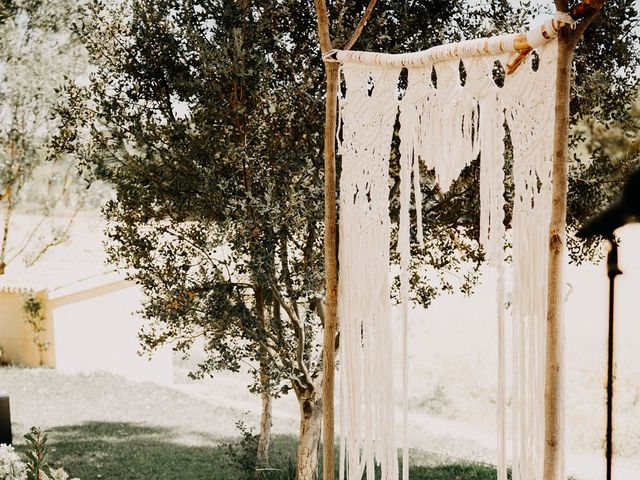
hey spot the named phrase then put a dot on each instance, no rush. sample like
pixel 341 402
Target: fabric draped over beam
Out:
pixel 445 122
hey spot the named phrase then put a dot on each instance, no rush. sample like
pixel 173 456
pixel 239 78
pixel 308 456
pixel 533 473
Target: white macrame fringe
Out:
pixel 446 125
pixel 530 117
pixel 368 113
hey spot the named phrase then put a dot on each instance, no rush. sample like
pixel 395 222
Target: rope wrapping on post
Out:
pixel 330 56
pixel 566 18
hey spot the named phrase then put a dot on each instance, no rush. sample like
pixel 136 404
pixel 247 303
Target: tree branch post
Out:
pixel 554 365
pixel 331 271
pixel 330 244
pixel 361 24
pixel 331 228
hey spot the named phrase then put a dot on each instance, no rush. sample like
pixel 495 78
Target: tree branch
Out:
pixel 323 25
pixel 286 273
pixel 586 8
pixel 299 329
pixel 589 11
pixel 317 305
pixel 361 25
pixel 47 213
pixel 58 239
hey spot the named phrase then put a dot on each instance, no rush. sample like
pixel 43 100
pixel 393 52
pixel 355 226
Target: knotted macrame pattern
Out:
pixel 445 122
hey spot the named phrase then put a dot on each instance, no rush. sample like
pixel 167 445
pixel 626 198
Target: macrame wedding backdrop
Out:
pixel 446 122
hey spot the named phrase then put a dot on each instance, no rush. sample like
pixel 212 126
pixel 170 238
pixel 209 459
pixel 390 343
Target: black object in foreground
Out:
pixel 613 270
pixel 5 419
pixel 624 210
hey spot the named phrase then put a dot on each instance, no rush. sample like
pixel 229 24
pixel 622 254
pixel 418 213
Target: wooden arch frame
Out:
pixel 583 12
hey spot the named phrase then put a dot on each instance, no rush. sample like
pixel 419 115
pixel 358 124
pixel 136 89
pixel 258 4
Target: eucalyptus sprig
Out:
pixel 36 454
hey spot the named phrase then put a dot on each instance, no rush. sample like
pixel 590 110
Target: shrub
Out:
pixel 36 467
pixel 11 467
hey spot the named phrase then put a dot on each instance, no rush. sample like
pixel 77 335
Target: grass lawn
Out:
pixel 104 427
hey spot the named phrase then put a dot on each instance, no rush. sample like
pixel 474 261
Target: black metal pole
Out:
pixel 613 270
pixel 5 420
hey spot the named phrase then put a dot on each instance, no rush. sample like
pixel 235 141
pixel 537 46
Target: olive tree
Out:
pixel 206 117
pixel 38 51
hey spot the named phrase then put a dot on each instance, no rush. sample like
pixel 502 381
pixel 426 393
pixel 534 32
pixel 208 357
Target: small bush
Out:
pixel 242 454
pixel 36 466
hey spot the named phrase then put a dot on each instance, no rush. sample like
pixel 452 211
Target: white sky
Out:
pixel 549 7
pixel 547 3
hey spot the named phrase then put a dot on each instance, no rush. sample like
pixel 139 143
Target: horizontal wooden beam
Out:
pixel 518 43
pixel 510 43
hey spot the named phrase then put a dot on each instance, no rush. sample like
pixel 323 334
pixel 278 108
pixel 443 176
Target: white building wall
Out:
pixel 97 330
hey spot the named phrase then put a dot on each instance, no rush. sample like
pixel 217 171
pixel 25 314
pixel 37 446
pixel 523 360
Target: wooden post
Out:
pixel 554 392
pixel 330 232
pixel 330 246
pixel 554 370
pixel 331 272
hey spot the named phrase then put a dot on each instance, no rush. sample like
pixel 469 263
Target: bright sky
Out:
pixel 549 7
pixel 547 3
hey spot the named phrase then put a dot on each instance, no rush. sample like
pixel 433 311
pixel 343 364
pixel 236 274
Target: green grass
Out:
pixel 134 452
pixel 126 451
pixel 453 472
pixel 104 427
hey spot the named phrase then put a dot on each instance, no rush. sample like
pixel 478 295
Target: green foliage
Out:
pixel 35 318
pixel 462 470
pixel 285 471
pixel 242 457
pixel 206 117
pixel 38 53
pixel 605 116
pixel 242 454
pixel 36 453
pixel 207 106
pixel 96 449
pixel 7 10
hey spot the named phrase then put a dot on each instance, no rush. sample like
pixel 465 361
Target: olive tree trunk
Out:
pixel 264 440
pixel 309 437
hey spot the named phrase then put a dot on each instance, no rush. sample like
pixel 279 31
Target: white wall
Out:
pixel 97 330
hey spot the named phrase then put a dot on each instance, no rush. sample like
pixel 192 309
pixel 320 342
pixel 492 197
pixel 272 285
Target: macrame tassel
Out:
pixel 530 118
pixel 408 164
pixel 413 119
pixel 492 180
pixel 492 232
pixel 501 394
pixel 447 123
pixel 368 113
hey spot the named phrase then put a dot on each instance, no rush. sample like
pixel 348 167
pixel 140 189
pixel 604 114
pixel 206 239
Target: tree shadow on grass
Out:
pixel 126 451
